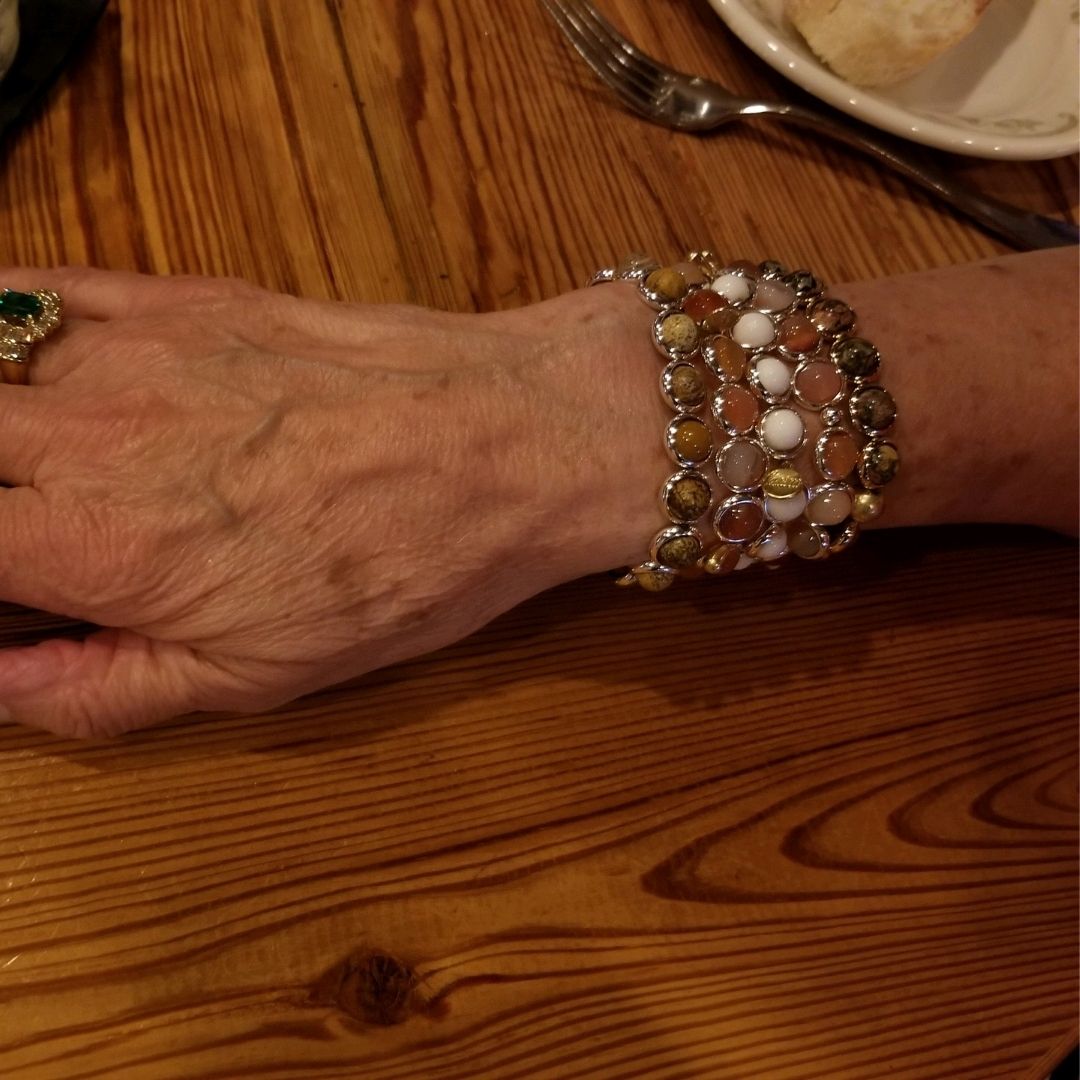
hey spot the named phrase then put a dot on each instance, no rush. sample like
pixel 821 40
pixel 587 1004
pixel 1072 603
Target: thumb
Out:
pixel 112 681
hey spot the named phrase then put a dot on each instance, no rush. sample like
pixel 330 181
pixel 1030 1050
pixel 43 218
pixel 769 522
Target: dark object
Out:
pixel 51 29
pixel 1069 1069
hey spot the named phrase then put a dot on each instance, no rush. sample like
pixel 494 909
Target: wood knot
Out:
pixel 369 985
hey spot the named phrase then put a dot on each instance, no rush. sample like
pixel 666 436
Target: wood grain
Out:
pixel 815 825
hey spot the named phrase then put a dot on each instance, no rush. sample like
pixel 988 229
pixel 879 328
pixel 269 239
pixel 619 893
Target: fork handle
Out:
pixel 1020 228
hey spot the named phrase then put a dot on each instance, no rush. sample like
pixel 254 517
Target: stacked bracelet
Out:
pixel 778 426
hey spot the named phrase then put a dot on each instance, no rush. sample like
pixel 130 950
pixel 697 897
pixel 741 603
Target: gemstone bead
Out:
pixel 685 386
pixel 804 283
pixel 771 546
pixel 867 505
pixel 689 438
pixel 736 409
pixel 772 375
pixel 678 333
pixel 817 383
pixel 634 263
pixel 687 497
pixel 829 506
pixel 699 305
pixel 653 578
pixel 797 334
pixel 837 455
pixel 19 304
pixel 666 284
pixel 806 541
pixel 693 273
pixel 722 559
pixel 740 521
pixel 725 359
pixel 880 464
pixel 733 287
pixel 872 409
pixel 782 483
pixel 782 430
pixel 720 322
pixel 773 296
pixel 856 357
pixel 741 464
pixel 771 269
pixel 679 551
pixel 753 330
pixel 785 509
pixel 832 316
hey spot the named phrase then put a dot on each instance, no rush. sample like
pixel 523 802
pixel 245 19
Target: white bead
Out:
pixel 772 546
pixel 782 429
pixel 787 509
pixel 753 330
pixel 774 376
pixel 744 562
pixel 732 287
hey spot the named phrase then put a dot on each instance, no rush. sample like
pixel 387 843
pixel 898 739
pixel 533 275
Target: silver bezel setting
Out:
pixel 715 405
pixel 669 351
pixel 730 503
pixel 755 547
pixel 802 365
pixel 667 377
pixel 726 448
pixel 754 379
pixel 870 432
pixel 872 445
pixel 827 488
pixel 669 440
pixel 708 355
pixel 669 485
pixel 676 532
pixel 780 455
pixel 819 453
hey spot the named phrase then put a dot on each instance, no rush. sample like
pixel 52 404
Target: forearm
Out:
pixel 981 360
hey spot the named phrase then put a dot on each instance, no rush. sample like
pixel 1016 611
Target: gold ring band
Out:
pixel 25 319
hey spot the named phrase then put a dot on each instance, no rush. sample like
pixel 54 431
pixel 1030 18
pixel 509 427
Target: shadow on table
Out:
pixel 708 648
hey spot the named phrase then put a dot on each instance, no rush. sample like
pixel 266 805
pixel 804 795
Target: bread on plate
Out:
pixel 878 42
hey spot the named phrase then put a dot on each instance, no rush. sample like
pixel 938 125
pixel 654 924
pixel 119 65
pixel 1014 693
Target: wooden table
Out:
pixel 840 848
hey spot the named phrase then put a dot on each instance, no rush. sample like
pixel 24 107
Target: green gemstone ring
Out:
pixel 25 318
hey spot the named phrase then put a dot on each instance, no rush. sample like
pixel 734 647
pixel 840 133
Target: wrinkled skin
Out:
pixel 255 496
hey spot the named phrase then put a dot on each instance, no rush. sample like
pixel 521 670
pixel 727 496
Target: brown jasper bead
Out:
pixel 678 332
pixel 837 455
pixel 726 359
pixel 687 386
pixel 688 498
pixel 872 409
pixel 654 579
pixel 880 464
pixel 699 305
pixel 741 522
pixel 736 409
pixel 832 316
pixel 667 283
pixel 691 440
pixel 679 551
pixel 856 357
pixel 798 334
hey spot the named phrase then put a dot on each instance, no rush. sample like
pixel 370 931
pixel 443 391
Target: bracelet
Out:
pixel 778 418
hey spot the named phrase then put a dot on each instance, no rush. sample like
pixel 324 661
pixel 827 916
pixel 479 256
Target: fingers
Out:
pixel 113 681
pixel 110 294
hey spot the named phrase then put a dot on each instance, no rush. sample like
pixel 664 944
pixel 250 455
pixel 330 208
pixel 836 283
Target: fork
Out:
pixel 691 103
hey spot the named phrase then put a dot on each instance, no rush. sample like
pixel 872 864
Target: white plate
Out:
pixel 1008 90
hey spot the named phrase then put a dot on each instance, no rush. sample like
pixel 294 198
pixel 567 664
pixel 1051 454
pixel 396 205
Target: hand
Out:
pixel 256 496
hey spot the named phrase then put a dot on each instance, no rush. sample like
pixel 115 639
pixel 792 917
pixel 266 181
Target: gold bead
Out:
pixel 722 559
pixel 867 505
pixel 780 483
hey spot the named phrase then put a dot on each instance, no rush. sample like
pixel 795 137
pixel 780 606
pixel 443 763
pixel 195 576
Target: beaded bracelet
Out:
pixel 778 418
